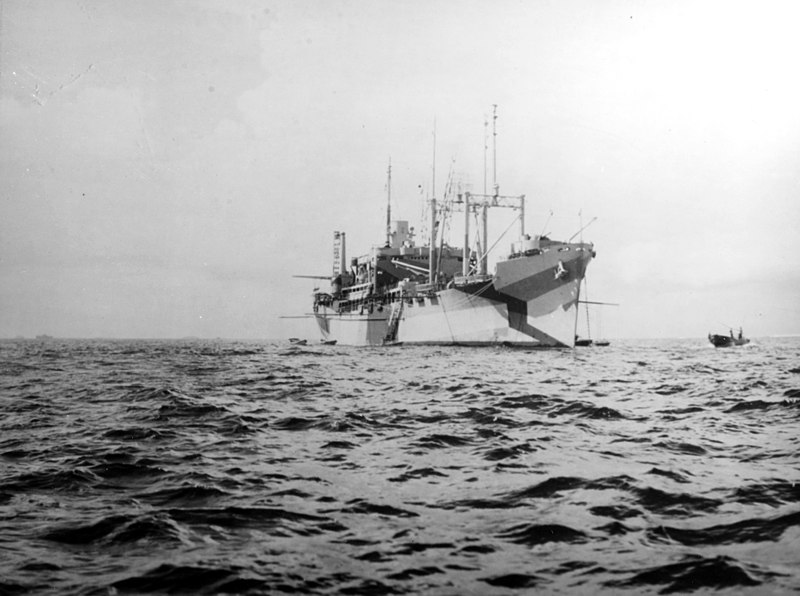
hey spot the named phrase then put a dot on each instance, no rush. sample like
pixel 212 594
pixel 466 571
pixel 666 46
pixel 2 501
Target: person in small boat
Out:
pixel 740 333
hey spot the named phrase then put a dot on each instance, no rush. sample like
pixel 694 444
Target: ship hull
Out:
pixel 353 329
pixel 458 318
pixel 530 301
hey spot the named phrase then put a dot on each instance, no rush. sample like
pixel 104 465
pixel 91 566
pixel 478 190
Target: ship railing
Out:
pixel 427 289
pixel 548 245
pixel 394 295
pixel 460 281
pixel 356 292
pixel 527 253
pixel 361 299
pixel 361 306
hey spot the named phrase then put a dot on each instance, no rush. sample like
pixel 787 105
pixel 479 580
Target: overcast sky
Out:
pixel 166 167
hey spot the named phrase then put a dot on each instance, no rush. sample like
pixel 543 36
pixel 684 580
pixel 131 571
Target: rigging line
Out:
pixel 544 227
pixel 483 289
pixel 477 240
pixel 582 229
pixel 491 248
pixel 446 208
pixel 588 326
pixel 468 297
pixel 467 300
pixel 447 320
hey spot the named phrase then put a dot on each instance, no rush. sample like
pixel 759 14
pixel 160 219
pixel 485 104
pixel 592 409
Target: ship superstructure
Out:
pixel 438 294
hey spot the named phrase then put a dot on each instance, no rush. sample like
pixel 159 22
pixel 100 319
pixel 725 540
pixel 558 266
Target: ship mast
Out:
pixel 432 243
pixel 485 149
pixel 479 204
pixel 389 204
pixel 494 149
pixel 484 260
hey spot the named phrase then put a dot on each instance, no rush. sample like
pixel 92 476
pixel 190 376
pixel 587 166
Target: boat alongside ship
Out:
pixel 586 342
pixel 437 294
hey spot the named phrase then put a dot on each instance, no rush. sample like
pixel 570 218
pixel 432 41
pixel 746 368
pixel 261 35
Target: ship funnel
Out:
pixel 401 235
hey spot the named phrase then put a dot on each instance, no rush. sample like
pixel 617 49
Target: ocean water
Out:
pixel 138 467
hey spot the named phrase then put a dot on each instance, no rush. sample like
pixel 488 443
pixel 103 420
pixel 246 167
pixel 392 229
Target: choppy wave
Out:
pixel 252 468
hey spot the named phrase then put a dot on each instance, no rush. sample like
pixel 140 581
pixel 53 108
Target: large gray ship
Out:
pixel 402 293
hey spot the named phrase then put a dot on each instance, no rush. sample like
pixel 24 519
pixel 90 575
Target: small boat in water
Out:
pixel 727 341
pixel 587 342
pixel 297 341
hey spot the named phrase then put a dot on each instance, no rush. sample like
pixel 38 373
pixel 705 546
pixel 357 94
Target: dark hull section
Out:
pixel 727 341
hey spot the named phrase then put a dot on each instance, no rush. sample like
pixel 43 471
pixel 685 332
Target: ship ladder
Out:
pixel 394 321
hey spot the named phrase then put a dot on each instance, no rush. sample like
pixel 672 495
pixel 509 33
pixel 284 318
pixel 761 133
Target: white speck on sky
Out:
pixel 166 167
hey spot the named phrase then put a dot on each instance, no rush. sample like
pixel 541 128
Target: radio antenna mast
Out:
pixel 494 148
pixel 433 167
pixel 485 148
pixel 389 204
pixel 432 240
